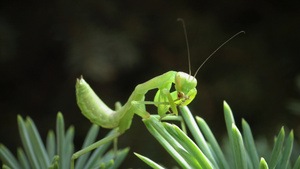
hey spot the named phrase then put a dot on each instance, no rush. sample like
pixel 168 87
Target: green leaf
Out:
pixel 229 120
pixel 5 167
pixel 249 163
pixel 198 136
pixel 148 161
pixel 188 145
pixel 8 158
pixel 297 163
pixel 68 147
pixel 191 160
pixel 250 145
pixel 23 159
pixel 38 145
pixel 160 135
pixel 121 155
pixel 50 144
pixel 234 141
pixel 110 160
pixel 277 149
pixel 220 159
pixel 287 151
pixel 60 135
pixel 239 154
pixel 263 164
pixel 27 144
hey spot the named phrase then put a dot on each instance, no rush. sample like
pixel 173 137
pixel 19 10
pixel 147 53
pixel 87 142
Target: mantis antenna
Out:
pixel 187 44
pixel 188 50
pixel 217 50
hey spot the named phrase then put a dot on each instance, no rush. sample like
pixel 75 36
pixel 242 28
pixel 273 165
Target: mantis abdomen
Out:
pixel 93 108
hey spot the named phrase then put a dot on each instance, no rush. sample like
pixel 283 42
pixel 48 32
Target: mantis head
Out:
pixel 185 86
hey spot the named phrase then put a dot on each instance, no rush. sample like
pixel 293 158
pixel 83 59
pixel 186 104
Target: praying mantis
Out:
pixel 94 109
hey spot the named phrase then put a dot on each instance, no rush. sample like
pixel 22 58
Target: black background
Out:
pixel 45 46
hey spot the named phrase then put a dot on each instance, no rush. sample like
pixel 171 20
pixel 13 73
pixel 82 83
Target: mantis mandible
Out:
pixel 98 112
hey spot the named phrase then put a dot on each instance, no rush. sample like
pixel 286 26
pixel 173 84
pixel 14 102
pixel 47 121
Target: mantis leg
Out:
pixel 139 106
pixel 141 111
pixel 93 146
pixel 165 93
pixel 118 106
pixel 97 144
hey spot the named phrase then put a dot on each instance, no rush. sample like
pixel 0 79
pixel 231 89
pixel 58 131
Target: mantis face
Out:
pixel 185 86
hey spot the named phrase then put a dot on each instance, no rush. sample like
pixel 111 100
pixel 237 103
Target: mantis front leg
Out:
pixel 164 103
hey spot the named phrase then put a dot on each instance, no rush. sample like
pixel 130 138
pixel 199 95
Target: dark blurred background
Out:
pixel 45 46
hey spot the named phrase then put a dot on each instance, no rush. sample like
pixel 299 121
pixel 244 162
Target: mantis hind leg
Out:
pixel 118 106
pixel 112 137
pixel 115 134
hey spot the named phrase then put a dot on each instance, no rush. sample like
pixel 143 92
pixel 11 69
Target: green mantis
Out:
pixel 97 112
pixel 166 101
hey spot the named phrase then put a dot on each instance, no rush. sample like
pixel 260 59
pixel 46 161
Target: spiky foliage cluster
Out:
pixel 206 152
pixel 58 150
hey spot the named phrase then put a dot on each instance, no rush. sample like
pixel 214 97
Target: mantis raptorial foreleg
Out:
pixel 166 103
